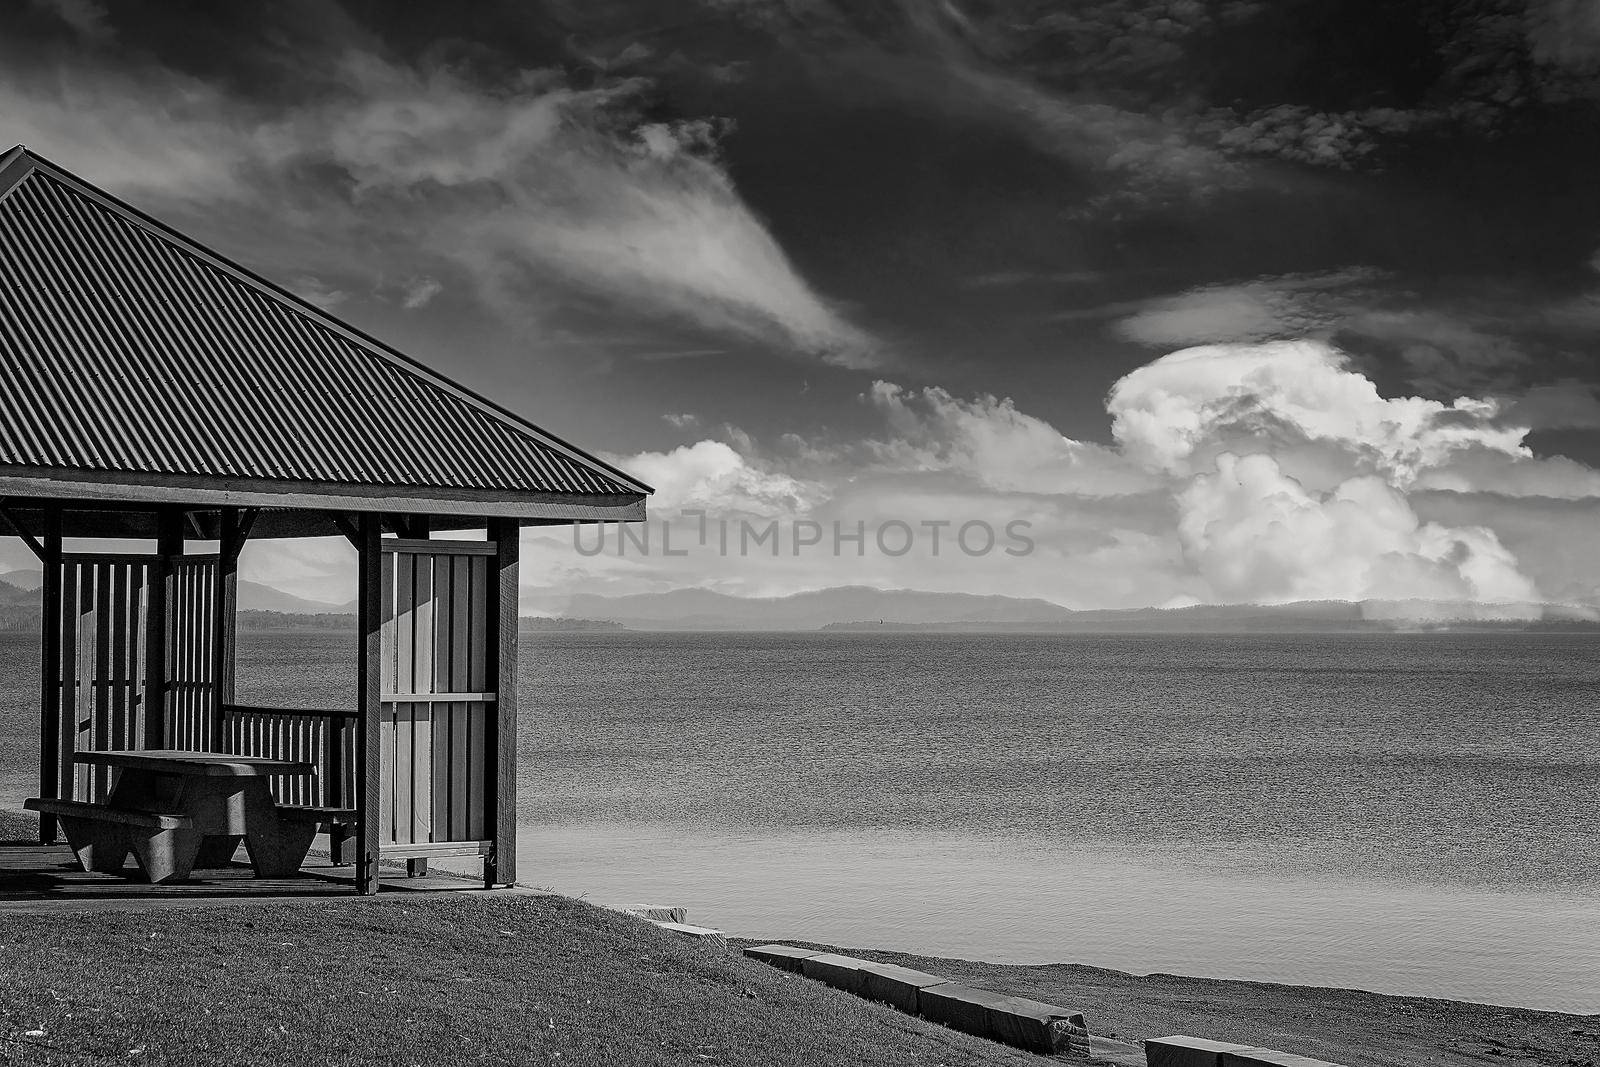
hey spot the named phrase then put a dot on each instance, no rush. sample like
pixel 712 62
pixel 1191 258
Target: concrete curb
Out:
pixel 1016 1021
pixel 1180 1050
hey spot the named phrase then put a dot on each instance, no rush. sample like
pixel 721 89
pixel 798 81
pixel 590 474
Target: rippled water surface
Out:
pixel 1416 813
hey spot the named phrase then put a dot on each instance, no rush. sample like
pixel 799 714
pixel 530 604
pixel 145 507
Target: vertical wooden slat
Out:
pixel 422 772
pixel 178 654
pixel 331 780
pixel 500 808
pixel 439 828
pixel 477 655
pixel 83 718
pixel 102 670
pixel 424 676
pixel 369 613
pixel 400 772
pixel 475 767
pixel 204 664
pixel 115 628
pixel 225 602
pixel 169 543
pixel 50 688
pixel 138 615
pixel 66 666
pixel 422 618
pixel 461 777
pixel 405 621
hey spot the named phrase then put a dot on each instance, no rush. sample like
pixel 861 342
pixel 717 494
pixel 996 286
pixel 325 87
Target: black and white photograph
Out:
pixel 800 533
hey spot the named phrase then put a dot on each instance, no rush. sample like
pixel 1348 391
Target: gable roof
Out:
pixel 133 356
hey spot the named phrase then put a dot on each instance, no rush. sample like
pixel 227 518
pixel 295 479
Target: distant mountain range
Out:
pixel 702 609
pixel 19 601
pixel 858 608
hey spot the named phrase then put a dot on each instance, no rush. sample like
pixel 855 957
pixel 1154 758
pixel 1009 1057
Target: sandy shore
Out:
pixel 1347 1026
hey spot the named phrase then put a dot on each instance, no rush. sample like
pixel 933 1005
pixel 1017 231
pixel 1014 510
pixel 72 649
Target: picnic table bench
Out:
pixel 176 810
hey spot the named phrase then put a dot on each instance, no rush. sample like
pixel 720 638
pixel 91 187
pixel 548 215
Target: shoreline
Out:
pixel 1351 1027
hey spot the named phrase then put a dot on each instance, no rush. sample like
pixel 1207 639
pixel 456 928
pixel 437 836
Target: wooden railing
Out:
pixel 322 737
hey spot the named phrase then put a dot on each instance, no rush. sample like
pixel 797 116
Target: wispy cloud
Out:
pixel 521 183
pixel 419 292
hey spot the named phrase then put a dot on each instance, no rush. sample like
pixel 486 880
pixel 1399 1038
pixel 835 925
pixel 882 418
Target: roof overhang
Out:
pixel 120 505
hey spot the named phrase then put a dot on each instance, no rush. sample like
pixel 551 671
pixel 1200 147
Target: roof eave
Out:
pixel 102 488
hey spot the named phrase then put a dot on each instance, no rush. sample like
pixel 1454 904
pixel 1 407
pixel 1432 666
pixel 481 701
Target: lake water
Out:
pixel 1412 813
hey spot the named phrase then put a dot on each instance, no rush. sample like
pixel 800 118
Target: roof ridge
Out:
pixel 20 162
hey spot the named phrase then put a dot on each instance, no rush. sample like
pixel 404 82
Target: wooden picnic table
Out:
pixel 224 799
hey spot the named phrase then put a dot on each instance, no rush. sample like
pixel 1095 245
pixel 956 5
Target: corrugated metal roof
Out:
pixel 126 347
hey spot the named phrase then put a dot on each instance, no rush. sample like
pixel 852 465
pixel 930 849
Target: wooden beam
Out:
pixel 169 544
pixel 351 532
pixel 500 865
pixel 225 619
pixel 28 539
pixel 369 768
pixel 206 493
pixel 50 674
pixel 241 533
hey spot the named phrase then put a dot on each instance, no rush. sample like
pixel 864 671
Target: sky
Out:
pixel 1181 301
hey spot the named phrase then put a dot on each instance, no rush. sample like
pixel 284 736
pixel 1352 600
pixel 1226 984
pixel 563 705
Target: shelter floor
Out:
pixel 46 878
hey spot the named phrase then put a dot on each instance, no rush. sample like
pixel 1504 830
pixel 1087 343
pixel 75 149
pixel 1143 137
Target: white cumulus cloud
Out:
pixel 715 476
pixel 1181 410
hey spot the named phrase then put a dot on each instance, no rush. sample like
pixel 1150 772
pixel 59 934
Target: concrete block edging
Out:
pixel 1015 1021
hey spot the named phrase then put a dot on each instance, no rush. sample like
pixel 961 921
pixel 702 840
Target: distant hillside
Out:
pixel 857 608
pixel 1338 616
pixel 256 597
pixel 702 609
pixel 285 620
pixel 535 624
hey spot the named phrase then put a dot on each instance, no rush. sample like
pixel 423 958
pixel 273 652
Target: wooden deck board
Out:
pixel 45 879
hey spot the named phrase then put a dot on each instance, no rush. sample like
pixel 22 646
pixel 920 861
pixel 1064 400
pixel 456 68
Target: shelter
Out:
pixel 151 389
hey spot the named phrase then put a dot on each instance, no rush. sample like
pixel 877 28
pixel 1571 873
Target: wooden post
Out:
pixel 224 606
pixel 500 866
pixel 169 544
pixel 369 768
pixel 50 673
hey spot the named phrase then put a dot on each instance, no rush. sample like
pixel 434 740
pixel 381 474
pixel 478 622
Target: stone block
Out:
pixel 659 912
pixel 958 1006
pixel 785 956
pixel 1016 1021
pixel 1181 1050
pixel 706 936
pixel 896 985
pixel 1267 1057
pixel 1039 1027
pixel 841 972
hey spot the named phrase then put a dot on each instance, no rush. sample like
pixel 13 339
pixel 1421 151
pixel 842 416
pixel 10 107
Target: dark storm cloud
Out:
pixel 1172 89
pixel 504 177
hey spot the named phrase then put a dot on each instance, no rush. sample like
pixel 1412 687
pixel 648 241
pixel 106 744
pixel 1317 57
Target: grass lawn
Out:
pixel 468 980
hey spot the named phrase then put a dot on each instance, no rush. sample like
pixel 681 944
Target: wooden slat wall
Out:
pixel 101 664
pixel 190 662
pixel 435 596
pixel 312 736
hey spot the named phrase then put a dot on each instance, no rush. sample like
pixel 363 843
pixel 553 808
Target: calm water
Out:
pixel 1411 814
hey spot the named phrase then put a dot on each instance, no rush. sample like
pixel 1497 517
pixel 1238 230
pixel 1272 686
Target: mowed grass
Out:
pixel 435 981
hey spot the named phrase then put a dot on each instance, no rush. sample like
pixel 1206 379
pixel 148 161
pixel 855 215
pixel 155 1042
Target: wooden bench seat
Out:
pixel 84 809
pixel 101 837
